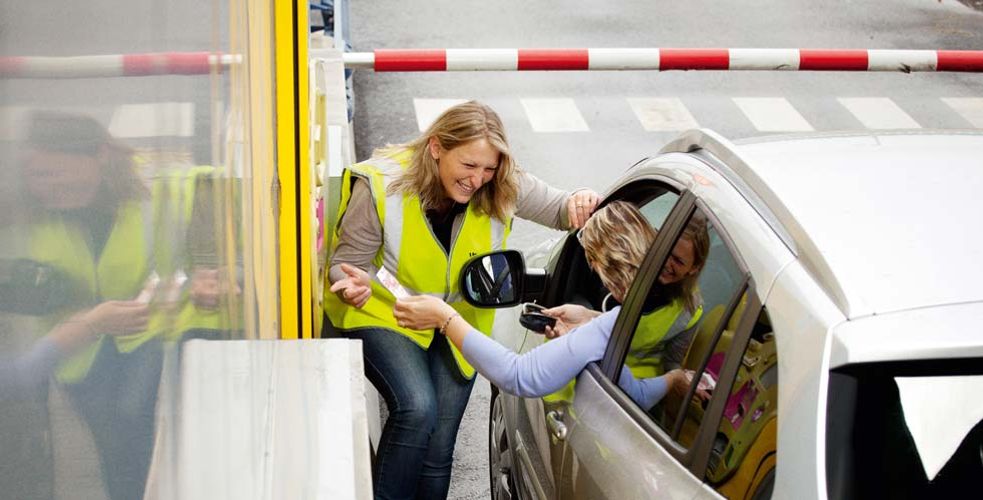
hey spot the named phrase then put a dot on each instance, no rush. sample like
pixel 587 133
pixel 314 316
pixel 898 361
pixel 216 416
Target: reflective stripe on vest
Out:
pixel 411 252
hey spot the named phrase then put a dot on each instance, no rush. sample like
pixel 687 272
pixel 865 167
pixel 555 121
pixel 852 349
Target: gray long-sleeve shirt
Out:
pixel 360 234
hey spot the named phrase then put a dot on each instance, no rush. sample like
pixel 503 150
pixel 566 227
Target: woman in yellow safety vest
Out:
pixel 90 217
pixel 411 216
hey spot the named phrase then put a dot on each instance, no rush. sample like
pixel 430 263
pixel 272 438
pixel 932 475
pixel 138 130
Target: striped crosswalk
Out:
pixel 762 114
pixel 552 115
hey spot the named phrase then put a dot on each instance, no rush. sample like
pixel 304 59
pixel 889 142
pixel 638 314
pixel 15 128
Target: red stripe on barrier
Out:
pixel 190 63
pixel 553 59
pixel 410 60
pixel 833 60
pixel 11 66
pixel 139 64
pixel 960 60
pixel 693 59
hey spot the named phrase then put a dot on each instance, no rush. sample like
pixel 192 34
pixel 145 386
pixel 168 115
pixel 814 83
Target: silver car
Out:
pixel 838 336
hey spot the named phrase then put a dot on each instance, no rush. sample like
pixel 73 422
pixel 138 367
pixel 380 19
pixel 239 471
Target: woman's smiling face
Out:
pixel 464 169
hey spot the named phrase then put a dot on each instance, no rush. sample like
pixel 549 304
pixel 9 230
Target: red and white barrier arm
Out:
pixel 905 61
pixel 161 63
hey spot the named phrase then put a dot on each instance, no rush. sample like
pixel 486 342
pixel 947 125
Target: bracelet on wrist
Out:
pixel 443 328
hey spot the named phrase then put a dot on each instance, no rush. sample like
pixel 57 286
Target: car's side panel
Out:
pixel 615 457
pixel 802 317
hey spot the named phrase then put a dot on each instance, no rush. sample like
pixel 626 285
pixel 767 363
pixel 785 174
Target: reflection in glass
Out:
pixel 121 235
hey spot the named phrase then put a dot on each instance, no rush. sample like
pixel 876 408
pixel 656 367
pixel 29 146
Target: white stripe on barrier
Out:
pixel 76 67
pixel 878 113
pixel 764 59
pixel 901 60
pixel 356 60
pixel 623 59
pixel 970 108
pixel 482 59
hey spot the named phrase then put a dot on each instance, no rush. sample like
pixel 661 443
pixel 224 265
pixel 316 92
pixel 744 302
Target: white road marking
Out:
pixel 662 114
pixel 772 114
pixel 878 113
pixel 554 115
pixel 970 108
pixel 427 110
pixel 157 119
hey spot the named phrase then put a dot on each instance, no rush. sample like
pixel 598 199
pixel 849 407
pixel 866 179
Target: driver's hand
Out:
pixel 568 317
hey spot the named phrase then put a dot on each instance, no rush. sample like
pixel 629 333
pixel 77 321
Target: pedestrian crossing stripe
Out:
pixel 878 113
pixel 970 108
pixel 772 114
pixel 554 115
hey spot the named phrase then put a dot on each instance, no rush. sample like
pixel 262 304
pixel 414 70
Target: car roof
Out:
pixel 886 221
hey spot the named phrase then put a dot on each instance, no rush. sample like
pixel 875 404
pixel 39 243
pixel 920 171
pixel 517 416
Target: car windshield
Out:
pixel 904 429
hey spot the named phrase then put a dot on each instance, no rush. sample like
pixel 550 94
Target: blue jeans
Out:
pixel 426 395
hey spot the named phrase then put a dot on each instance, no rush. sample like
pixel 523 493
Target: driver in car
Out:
pixel 615 241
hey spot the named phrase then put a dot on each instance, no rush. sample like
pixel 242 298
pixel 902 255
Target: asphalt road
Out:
pixel 387 103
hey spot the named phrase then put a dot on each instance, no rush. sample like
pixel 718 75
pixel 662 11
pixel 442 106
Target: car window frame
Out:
pixel 696 457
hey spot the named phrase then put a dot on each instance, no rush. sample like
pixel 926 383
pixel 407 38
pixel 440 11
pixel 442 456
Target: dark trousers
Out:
pixel 426 396
pixel 117 399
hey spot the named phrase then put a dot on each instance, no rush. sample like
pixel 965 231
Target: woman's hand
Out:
pixel 355 288
pixel 678 382
pixel 207 288
pixel 118 317
pixel 422 312
pixel 568 317
pixel 580 206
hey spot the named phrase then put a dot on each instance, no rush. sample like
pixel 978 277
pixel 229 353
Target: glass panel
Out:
pixel 685 304
pixel 743 458
pixel 128 223
pixel 909 429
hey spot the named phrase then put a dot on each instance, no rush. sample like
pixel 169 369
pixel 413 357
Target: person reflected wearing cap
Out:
pixel 90 217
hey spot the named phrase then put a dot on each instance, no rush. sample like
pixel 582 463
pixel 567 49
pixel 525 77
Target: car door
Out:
pixel 537 449
pixel 614 448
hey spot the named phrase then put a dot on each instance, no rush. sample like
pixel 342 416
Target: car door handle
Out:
pixel 554 420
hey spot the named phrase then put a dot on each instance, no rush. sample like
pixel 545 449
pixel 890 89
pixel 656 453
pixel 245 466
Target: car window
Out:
pixel 905 429
pixel 743 457
pixel 684 307
pixel 657 209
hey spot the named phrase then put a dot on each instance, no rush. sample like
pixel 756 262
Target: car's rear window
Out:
pixel 905 429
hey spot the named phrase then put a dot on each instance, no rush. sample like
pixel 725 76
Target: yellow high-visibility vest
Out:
pixel 119 273
pixel 648 345
pixel 412 254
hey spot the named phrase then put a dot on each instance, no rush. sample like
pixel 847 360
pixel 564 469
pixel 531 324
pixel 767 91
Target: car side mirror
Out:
pixel 494 279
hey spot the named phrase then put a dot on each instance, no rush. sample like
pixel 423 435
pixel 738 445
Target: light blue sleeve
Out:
pixel 545 369
pixel 645 392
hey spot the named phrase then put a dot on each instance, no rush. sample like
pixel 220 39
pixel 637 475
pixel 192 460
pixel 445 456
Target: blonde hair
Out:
pixel 455 127
pixel 616 239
